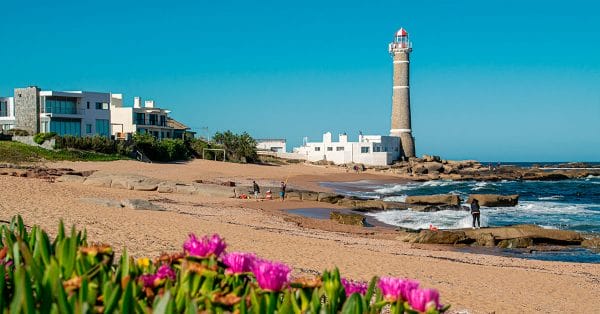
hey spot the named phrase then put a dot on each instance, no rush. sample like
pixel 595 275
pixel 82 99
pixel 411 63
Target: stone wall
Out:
pixel 27 109
pixel 48 144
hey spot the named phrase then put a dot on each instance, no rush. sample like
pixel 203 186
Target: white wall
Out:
pixel 121 116
pixel 8 122
pixel 271 145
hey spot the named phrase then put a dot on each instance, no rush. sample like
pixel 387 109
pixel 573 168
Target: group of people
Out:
pixel 256 191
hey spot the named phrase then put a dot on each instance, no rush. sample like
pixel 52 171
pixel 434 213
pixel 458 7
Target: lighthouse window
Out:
pixel 329 149
pixel 317 149
pixel 377 148
pixel 339 148
pixel 364 150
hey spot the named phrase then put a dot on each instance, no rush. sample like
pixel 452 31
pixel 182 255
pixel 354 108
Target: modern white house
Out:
pixel 372 150
pixel 149 119
pixel 271 145
pixel 76 113
pixel 7 113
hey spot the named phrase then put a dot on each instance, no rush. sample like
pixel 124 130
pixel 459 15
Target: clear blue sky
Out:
pixel 491 80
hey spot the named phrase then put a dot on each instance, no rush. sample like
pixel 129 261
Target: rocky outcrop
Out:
pixel 438 237
pixel 438 199
pixel 140 204
pixel 329 197
pixel 494 200
pixel 348 219
pixel 591 243
pixel 310 196
pixel 436 208
pixel 515 243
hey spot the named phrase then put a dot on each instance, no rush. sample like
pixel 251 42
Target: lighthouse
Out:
pixel 400 49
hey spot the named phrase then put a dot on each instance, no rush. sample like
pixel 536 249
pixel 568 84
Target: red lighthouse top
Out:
pixel 401 32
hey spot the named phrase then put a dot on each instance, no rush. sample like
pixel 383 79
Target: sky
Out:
pixel 490 80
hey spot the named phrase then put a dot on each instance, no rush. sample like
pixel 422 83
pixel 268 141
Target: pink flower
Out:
pixel 204 247
pixel 396 288
pixel 354 287
pixel 148 280
pixel 239 262
pixel 271 276
pixel 164 271
pixel 424 299
pixel 154 280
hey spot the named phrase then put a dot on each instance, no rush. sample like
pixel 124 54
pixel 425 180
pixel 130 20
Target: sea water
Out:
pixel 567 204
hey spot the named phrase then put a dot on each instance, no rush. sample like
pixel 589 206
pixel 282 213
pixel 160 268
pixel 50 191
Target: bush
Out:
pixel 239 148
pixel 40 138
pixel 68 275
pixel 164 150
pixel 97 144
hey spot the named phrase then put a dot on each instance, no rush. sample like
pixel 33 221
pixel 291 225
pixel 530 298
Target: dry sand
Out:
pixel 471 282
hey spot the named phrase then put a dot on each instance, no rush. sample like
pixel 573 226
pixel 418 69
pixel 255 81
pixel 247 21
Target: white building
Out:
pixel 271 145
pixel 150 119
pixel 7 113
pixel 372 150
pixel 76 113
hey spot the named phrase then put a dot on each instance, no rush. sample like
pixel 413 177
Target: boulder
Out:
pixel 122 182
pixel 494 200
pixel 310 196
pixel 538 234
pixel 438 199
pixel 140 204
pixel 293 196
pixel 430 158
pixel 166 187
pixel 440 237
pixel 329 197
pixel 544 176
pixel 433 166
pixel 100 181
pixel 417 170
pixel 70 178
pixel 368 205
pixel 185 189
pixel 348 219
pixel 435 208
pixel 145 186
pixel 591 243
pixel 485 239
pixel 515 243
pixel 102 201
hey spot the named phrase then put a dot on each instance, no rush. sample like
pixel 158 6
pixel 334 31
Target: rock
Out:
pixel 346 202
pixel 70 178
pixel 329 197
pixel 591 243
pixel 485 239
pixel 140 204
pixel 145 186
pixel 494 200
pixel 99 181
pixel 102 201
pixel 538 234
pixel 438 199
pixel 310 196
pixel 449 169
pixel 544 176
pixel 348 219
pixel 515 243
pixel 368 205
pixel 166 187
pixel 228 183
pixel 436 208
pixel 429 158
pixel 122 182
pixel 433 166
pixel 185 189
pixel 440 237
pixel 417 170
pixel 293 196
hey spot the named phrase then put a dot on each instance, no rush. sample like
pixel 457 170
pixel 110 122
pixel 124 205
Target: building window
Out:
pixel 364 150
pixel 377 148
pixel 140 118
pixel 88 128
pixel 3 109
pixel 153 119
pixel 163 120
pixel 339 148
pixel 329 149
pixel 101 106
pixel 60 105
pixel 102 127
pixel 317 149
pixel 65 126
pixel 88 105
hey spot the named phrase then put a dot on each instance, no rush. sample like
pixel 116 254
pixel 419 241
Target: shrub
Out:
pixel 239 148
pixel 40 138
pixel 164 150
pixel 97 144
pixel 68 275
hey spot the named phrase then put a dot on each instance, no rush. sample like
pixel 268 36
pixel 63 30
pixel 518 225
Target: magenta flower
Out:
pixel 352 286
pixel 396 288
pixel 162 273
pixel 239 262
pixel 424 299
pixel 204 247
pixel 271 276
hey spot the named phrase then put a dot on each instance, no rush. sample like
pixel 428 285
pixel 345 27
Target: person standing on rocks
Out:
pixel 475 212
pixel 255 189
pixel 282 192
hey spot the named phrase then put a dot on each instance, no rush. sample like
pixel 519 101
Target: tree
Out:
pixel 240 147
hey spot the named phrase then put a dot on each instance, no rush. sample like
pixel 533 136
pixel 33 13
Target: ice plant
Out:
pixel 352 286
pixel 271 276
pixel 424 300
pixel 238 262
pixel 396 288
pixel 163 272
pixel 204 247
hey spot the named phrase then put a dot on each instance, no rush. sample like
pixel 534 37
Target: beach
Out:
pixel 472 283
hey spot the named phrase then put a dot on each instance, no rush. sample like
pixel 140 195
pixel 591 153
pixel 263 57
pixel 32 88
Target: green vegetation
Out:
pixel 17 132
pixel 40 138
pixel 15 152
pixel 238 147
pixel 98 144
pixel 163 150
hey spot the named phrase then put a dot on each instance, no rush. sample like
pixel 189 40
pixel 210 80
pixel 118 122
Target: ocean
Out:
pixel 569 205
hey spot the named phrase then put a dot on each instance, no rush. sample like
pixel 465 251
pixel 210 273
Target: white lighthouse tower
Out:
pixel 400 49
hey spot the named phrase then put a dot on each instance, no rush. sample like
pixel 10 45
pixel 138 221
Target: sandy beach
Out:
pixel 472 283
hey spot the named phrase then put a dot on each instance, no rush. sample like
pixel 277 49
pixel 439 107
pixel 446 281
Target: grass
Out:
pixel 15 152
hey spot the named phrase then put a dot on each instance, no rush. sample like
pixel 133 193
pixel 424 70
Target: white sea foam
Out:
pixel 396 188
pixel 479 186
pixel 550 198
pixel 398 198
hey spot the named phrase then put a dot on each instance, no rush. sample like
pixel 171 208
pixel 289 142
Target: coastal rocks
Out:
pixel 98 181
pixel 293 196
pixel 102 202
pixel 429 158
pixel 70 178
pixel 539 235
pixel 592 243
pixel 139 204
pixel 544 176
pixel 485 239
pixel 433 167
pixel 436 208
pixel 166 187
pixel 515 243
pixel 348 219
pixel 438 237
pixel 438 199
pixel 310 196
pixel 329 197
pixel 494 200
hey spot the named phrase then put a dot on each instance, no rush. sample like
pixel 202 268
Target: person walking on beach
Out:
pixel 475 213
pixel 282 192
pixel 255 189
